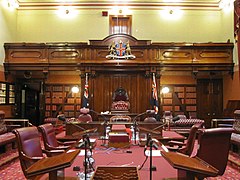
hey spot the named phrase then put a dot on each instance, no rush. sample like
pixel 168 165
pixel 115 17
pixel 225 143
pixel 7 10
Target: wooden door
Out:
pixel 120 24
pixel 209 99
pixel 138 88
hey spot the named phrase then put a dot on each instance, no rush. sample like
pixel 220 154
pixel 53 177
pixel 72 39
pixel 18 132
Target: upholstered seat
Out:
pixel 167 116
pixel 120 100
pixel 50 140
pixel 119 118
pixel 150 120
pixel 29 147
pixel 185 147
pixel 214 147
pixel 84 115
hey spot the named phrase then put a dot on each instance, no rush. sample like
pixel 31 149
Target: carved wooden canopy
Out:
pixel 150 57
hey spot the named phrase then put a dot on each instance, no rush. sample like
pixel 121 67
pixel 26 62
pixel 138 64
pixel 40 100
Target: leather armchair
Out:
pixel 119 118
pixel 29 147
pixel 187 146
pixel 50 141
pixel 84 116
pixel 120 100
pixel 214 147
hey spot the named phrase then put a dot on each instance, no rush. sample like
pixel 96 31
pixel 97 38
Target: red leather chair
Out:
pixel 50 141
pixel 185 147
pixel 84 116
pixel 214 147
pixel 150 120
pixel 29 147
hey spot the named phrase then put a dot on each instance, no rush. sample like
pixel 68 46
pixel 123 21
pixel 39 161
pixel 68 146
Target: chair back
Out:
pixel 29 145
pixel 119 118
pixel 48 135
pixel 84 116
pixel 150 120
pixel 214 147
pixel 167 116
pixel 188 149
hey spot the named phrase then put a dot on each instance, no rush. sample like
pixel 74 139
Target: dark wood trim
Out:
pixel 46 57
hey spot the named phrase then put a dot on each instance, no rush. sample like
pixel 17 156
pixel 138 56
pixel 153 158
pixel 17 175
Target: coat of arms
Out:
pixel 120 50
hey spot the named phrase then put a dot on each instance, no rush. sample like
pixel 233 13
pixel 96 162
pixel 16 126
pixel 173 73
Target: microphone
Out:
pixel 154 143
pixel 155 146
pixel 149 138
pixel 79 127
pixel 81 144
pixel 176 118
pixel 104 118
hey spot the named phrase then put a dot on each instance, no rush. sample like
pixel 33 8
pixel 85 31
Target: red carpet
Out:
pixel 12 171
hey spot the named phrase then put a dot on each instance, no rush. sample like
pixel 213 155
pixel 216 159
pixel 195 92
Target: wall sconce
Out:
pixel 12 4
pixel 171 13
pixel 120 11
pixel 66 12
pixel 226 5
pixel 75 89
pixel 165 90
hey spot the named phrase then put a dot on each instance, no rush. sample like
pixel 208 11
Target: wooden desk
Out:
pixel 76 127
pixel 121 158
pixel 108 116
pixel 52 164
pixel 169 136
pixel 17 122
pixel 188 167
pixel 216 122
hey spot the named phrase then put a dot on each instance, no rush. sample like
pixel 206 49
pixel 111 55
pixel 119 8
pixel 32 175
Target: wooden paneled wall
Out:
pixel 137 85
pixel 106 75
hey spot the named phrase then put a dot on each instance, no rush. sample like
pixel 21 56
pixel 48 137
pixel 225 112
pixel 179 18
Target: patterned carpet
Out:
pixel 12 170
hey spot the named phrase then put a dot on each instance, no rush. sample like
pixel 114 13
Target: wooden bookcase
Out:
pixel 181 99
pixel 7 93
pixel 59 98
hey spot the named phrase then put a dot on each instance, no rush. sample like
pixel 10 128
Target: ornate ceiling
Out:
pixel 132 4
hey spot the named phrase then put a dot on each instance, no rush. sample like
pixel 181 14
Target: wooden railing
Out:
pixel 162 56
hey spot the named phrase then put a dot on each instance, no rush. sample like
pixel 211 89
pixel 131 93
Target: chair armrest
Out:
pixel 59 148
pixel 53 152
pixel 172 148
pixel 225 125
pixel 176 143
pixel 67 143
pixel 28 158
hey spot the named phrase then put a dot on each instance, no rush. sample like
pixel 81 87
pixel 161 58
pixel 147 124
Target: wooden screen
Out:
pixel 120 24
pixel 137 86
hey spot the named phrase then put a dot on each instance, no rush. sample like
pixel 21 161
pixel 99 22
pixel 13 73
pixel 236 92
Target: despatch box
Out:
pixel 116 172
pixel 119 140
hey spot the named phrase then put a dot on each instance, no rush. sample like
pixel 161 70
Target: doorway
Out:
pixel 29 102
pixel 209 99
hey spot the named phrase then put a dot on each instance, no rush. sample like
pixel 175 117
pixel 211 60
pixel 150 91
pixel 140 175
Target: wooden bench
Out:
pixel 235 124
pixel 7 139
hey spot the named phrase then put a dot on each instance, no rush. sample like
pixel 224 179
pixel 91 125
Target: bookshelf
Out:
pixel 182 99
pixel 7 93
pixel 59 98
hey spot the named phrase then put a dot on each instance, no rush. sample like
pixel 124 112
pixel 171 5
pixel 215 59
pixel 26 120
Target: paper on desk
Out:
pixel 91 140
pixel 82 152
pixel 154 153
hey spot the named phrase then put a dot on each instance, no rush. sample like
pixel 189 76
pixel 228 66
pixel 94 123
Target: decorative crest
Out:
pixel 120 50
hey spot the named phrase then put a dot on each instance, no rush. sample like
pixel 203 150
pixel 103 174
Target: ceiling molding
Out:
pixel 134 5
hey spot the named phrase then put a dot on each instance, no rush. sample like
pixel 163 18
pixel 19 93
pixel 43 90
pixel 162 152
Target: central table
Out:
pixel 132 156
